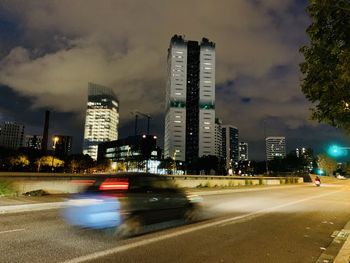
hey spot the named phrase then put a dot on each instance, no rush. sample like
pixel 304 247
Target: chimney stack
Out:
pixel 45 132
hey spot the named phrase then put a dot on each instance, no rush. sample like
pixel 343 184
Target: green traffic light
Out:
pixel 336 151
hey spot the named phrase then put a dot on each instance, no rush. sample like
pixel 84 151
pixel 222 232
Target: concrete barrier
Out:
pixel 72 183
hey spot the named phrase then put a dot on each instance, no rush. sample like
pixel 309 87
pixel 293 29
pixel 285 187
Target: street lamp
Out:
pixel 55 140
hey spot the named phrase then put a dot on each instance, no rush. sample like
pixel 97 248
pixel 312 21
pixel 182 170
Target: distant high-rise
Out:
pixel 102 118
pixel 218 138
pixel 34 142
pixel 11 135
pixel 243 151
pixel 62 145
pixel 190 99
pixel 275 147
pixel 230 145
pixel 299 152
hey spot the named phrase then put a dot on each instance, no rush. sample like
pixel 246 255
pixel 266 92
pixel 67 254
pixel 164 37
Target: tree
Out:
pixel 77 163
pixel 329 165
pixel 19 161
pixel 167 164
pixel 48 161
pixel 326 70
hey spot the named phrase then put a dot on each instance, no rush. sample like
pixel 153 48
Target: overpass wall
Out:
pixel 73 183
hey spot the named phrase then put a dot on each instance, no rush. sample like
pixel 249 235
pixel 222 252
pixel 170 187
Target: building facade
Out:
pixel 243 151
pixel 190 99
pixel 102 118
pixel 275 147
pixel 62 145
pixel 218 138
pixel 133 151
pixel 230 145
pixel 11 135
pixel 34 142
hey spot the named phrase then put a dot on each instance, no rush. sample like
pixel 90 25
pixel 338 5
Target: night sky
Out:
pixel 50 50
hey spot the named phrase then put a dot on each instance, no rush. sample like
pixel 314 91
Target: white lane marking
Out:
pixel 270 209
pixel 13 230
pixel 140 243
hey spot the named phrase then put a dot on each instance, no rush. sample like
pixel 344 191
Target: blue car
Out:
pixel 127 202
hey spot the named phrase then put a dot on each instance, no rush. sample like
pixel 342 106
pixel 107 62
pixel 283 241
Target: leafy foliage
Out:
pixel 48 161
pixel 329 165
pixel 326 70
pixel 20 160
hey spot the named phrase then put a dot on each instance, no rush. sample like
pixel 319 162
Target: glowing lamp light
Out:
pixel 337 151
pixel 320 172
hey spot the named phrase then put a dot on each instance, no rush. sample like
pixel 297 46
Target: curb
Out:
pixel 339 249
pixel 9 209
pixel 344 253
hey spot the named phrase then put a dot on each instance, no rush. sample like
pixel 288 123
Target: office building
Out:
pixel 300 152
pixel 190 99
pixel 34 142
pixel 218 138
pixel 230 145
pixel 62 145
pixel 243 151
pixel 11 135
pixel 275 147
pixel 137 153
pixel 102 118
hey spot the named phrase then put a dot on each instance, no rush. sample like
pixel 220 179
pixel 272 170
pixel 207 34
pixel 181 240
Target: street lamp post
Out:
pixel 55 140
pixel 266 160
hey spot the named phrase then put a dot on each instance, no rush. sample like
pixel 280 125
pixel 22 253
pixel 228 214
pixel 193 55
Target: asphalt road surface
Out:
pixel 277 224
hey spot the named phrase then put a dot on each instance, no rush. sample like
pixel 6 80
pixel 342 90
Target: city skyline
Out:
pixel 46 64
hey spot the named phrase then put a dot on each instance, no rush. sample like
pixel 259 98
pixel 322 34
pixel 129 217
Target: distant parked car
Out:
pixel 127 202
pixel 341 177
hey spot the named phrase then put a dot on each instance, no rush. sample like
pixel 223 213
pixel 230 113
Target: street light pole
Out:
pixel 266 160
pixel 55 140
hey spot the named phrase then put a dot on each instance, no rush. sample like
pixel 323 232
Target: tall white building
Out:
pixel 275 147
pixel 11 135
pixel 190 99
pixel 102 118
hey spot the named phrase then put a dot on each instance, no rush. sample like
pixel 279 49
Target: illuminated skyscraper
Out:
pixel 275 147
pixel 102 118
pixel 190 99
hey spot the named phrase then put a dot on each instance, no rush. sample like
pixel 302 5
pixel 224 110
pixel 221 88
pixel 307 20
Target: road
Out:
pixel 278 224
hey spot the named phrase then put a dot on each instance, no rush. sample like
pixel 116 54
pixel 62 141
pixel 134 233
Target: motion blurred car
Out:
pixel 127 202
